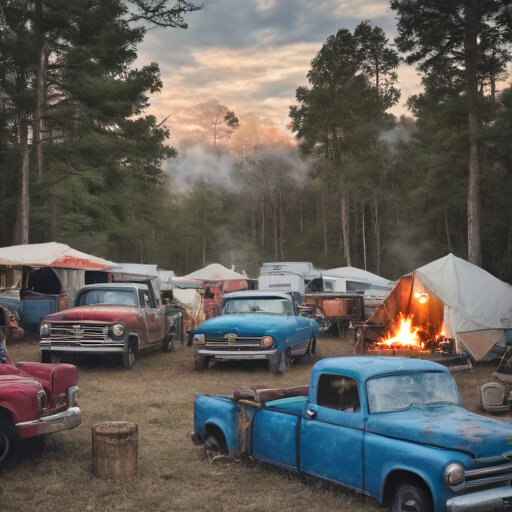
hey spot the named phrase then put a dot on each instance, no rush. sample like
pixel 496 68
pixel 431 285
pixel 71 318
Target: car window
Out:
pixel 392 393
pixel 265 305
pixel 338 392
pixel 144 300
pixel 114 297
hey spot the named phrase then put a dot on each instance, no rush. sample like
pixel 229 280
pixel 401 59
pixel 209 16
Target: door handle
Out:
pixel 311 413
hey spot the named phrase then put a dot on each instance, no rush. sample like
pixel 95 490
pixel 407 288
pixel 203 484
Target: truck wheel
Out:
pixel 201 363
pixel 46 356
pixel 8 442
pixel 128 357
pixel 410 497
pixel 167 344
pixel 212 446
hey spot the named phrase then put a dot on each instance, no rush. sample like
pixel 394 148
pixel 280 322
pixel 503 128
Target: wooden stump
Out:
pixel 114 450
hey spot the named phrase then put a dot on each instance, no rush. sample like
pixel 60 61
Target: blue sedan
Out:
pixel 255 325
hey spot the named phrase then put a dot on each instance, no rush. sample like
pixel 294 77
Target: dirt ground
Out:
pixel 174 475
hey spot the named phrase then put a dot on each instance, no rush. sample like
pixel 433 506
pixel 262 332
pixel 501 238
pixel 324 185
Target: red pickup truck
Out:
pixel 116 319
pixel 35 399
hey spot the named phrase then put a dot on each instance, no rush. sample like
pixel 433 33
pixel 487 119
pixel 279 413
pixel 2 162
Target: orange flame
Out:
pixel 405 335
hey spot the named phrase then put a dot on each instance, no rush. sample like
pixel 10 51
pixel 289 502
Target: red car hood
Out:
pixel 95 313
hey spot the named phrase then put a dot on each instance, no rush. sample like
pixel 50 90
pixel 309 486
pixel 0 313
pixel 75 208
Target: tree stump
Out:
pixel 114 450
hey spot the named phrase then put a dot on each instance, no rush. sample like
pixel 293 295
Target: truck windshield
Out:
pixel 115 297
pixel 248 305
pixel 399 392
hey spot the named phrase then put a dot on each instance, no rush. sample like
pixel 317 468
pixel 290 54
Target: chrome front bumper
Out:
pixel 66 420
pixel 72 347
pixel 237 354
pixel 494 500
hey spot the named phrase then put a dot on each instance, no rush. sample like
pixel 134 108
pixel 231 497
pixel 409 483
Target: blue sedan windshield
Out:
pixel 266 305
pixel 399 392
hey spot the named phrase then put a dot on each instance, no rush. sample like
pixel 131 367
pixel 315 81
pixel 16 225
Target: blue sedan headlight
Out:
pixel 266 342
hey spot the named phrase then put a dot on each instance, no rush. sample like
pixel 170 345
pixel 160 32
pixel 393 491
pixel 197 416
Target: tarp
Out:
pixel 356 273
pixel 215 272
pixel 475 307
pixel 52 254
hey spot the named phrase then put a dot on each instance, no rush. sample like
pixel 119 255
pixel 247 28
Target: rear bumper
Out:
pixel 238 354
pixel 196 438
pixel 494 500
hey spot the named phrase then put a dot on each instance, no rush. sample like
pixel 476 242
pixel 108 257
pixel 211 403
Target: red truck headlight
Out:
pixel 117 331
pixel 44 330
pixel 42 401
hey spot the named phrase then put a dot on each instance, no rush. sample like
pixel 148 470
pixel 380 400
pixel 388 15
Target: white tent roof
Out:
pixel 355 273
pixel 474 298
pixel 51 254
pixel 215 272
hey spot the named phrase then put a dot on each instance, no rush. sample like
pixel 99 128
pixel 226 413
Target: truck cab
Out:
pixel 391 428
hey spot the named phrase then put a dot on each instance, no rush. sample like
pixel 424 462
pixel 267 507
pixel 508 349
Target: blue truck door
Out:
pixel 332 430
pixel 275 437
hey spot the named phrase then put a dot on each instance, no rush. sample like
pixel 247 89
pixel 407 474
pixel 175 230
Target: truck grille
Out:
pixel 490 475
pixel 224 343
pixel 76 331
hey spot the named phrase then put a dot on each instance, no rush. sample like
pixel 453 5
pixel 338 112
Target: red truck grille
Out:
pixel 77 331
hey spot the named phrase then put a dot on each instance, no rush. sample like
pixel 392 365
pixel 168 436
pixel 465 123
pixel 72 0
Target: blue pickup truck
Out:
pixel 391 428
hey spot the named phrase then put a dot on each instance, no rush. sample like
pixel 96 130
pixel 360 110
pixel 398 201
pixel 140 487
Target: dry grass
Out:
pixel 158 394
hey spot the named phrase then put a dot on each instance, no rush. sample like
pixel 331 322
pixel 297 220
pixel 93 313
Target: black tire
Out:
pixel 411 497
pixel 8 442
pixel 128 357
pixel 167 344
pixel 201 363
pixel 213 446
pixel 312 347
pixel 46 356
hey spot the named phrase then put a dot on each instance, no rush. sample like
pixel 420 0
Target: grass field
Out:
pixel 174 475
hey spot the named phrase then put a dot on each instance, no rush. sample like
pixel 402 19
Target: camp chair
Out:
pixel 493 397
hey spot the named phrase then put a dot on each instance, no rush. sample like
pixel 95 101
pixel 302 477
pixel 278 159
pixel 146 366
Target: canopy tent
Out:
pixel 52 254
pixel 215 272
pixel 355 273
pixel 464 302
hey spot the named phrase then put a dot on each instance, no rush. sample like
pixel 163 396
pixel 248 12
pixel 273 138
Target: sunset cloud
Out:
pixel 251 55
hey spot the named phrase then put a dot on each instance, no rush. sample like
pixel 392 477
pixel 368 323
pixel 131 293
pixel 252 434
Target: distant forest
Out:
pixel 81 163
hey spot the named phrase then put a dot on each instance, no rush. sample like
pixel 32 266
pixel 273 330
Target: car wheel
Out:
pixel 128 357
pixel 46 356
pixel 167 344
pixel 201 363
pixel 213 446
pixel 312 346
pixel 8 442
pixel 410 497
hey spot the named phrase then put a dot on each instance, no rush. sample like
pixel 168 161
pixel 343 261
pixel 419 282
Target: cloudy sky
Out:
pixel 251 55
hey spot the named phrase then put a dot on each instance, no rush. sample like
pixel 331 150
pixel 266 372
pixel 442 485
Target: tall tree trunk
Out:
pixel 364 239
pixel 25 180
pixel 345 228
pixel 324 218
pixel 474 206
pixel 262 222
pixel 447 228
pixel 38 120
pixel 376 225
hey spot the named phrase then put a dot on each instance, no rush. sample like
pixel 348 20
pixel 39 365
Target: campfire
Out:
pixel 404 335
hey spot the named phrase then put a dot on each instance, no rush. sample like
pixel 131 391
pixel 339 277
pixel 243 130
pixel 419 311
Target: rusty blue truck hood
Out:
pixel 445 426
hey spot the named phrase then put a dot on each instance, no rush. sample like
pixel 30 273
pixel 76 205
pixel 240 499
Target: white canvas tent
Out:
pixel 52 254
pixel 215 272
pixel 356 274
pixel 473 307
